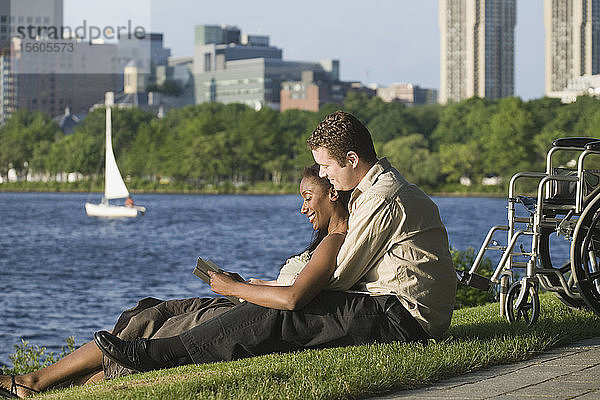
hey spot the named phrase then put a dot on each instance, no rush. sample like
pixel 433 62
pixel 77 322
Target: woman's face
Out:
pixel 316 205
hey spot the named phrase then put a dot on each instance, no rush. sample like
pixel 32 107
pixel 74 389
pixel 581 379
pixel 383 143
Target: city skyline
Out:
pixel 397 41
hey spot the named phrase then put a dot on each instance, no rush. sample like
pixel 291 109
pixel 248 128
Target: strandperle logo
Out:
pixel 83 32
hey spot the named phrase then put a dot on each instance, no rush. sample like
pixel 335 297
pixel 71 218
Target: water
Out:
pixel 63 273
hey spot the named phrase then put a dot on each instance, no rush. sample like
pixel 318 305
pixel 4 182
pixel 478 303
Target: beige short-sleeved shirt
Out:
pixel 397 244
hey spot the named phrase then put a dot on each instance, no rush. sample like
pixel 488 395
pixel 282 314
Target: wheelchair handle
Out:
pixel 579 142
pixel 593 146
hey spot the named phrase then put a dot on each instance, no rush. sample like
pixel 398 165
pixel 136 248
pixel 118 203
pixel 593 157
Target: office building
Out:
pixel 476 49
pixel 148 53
pixel 177 74
pixel 407 93
pixel 311 92
pixel 572 42
pixel 230 67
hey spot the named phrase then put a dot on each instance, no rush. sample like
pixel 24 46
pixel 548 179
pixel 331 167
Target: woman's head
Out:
pixel 321 202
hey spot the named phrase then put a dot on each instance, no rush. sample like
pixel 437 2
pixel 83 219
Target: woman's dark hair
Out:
pixel 343 198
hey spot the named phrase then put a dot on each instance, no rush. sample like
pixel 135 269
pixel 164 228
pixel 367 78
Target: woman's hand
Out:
pixel 222 283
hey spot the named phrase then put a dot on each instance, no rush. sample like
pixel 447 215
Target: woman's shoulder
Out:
pixel 332 240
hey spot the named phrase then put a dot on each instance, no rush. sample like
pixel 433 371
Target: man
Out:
pixel 396 242
pixel 394 279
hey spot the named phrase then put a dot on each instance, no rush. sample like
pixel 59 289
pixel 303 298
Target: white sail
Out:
pixel 114 187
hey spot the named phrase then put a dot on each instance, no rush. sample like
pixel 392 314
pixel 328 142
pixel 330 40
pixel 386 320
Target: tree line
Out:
pixel 212 144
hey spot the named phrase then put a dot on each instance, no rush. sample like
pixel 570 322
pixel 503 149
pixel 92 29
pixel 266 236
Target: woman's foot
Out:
pixel 16 385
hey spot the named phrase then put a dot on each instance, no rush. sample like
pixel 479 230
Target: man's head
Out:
pixel 343 148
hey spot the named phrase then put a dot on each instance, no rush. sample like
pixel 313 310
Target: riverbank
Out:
pixel 478 338
pixel 258 188
pixel 151 188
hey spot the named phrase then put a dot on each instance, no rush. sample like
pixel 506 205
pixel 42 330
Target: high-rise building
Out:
pixel 49 67
pixel 28 15
pixel 476 49
pixel 572 41
pixel 18 17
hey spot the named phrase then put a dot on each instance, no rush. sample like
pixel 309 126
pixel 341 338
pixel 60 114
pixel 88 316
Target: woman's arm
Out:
pixel 259 282
pixel 309 283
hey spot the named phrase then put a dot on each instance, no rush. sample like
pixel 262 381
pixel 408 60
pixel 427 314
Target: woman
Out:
pixel 300 280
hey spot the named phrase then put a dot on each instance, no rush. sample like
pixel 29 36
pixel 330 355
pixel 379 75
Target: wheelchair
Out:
pixel 568 205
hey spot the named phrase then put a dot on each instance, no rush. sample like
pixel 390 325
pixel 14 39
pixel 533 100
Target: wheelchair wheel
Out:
pixel 529 309
pixel 565 270
pixel 585 254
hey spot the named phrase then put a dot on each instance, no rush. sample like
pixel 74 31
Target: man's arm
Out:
pixel 372 225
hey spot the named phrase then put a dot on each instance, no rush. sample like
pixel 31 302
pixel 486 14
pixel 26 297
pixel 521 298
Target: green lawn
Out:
pixel 478 338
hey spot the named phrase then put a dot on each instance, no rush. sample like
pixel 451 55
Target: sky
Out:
pixel 377 41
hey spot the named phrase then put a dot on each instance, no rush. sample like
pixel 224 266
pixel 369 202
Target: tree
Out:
pixel 410 155
pixel 256 137
pixel 458 159
pixel 143 157
pixel 427 117
pixel 363 106
pixel 543 111
pixel 78 152
pixel 461 122
pixel 295 127
pixel 392 123
pixel 19 137
pixel 507 144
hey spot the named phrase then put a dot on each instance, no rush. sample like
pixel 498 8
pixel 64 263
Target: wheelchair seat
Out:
pixel 530 203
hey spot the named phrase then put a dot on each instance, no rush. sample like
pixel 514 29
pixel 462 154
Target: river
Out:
pixel 63 273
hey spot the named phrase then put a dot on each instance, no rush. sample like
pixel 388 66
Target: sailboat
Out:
pixel 114 187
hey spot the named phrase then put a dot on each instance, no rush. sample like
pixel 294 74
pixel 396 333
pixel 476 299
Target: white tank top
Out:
pixel 291 269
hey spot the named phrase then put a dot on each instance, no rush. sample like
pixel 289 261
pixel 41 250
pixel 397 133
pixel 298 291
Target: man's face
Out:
pixel 342 178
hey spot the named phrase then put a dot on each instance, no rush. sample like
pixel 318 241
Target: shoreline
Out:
pixel 233 191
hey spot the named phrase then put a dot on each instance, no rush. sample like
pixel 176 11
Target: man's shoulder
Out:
pixel 394 188
pixel 389 183
pixel 385 183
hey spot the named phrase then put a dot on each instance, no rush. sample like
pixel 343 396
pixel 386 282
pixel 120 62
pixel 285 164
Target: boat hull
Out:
pixel 110 211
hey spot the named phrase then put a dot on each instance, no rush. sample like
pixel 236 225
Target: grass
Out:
pixel 478 338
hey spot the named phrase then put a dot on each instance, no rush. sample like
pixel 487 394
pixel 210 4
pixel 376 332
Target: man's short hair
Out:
pixel 341 132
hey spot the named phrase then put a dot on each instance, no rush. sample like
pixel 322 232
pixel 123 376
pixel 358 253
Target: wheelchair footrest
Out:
pixel 473 280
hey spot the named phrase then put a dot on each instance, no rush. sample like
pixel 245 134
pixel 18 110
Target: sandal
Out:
pixel 12 393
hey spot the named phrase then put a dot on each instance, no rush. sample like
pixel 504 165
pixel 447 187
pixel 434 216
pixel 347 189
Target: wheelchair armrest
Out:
pixel 473 280
pixel 573 142
pixel 593 146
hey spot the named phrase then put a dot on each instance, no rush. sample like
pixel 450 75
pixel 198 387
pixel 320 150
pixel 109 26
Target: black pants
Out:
pixel 332 319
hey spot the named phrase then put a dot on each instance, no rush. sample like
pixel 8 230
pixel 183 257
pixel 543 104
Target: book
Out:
pixel 201 271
